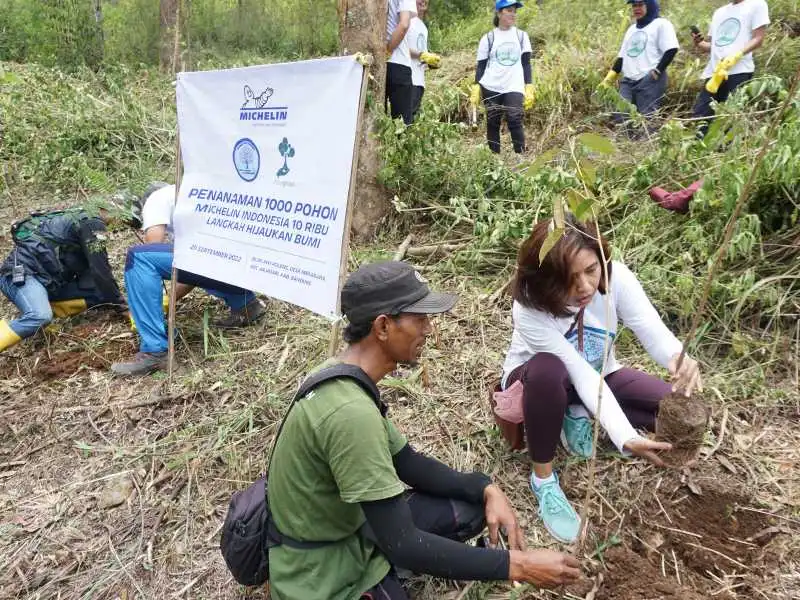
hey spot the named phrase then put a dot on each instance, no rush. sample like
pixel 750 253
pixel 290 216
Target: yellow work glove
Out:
pixel 530 97
pixel 474 94
pixel 434 61
pixel 729 62
pixel 610 78
pixel 713 83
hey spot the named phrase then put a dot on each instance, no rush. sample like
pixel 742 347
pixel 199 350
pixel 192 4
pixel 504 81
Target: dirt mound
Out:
pixel 631 577
pixel 93 344
pixel 680 545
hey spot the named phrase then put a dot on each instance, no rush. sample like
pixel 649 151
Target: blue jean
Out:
pixel 33 302
pixel 146 266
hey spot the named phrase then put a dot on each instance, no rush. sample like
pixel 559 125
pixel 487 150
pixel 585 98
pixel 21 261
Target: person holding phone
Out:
pixel 736 30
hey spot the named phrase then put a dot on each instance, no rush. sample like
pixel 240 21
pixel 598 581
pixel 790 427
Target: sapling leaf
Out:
pixel 587 173
pixel 541 160
pixel 597 143
pixel 574 200
pixel 550 241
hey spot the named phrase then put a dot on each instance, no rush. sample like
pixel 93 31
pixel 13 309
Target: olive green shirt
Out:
pixel 335 451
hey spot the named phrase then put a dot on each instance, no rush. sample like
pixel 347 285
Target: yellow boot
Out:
pixel 7 336
pixel 68 308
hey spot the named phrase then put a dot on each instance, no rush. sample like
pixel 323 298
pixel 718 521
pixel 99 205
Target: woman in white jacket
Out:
pixel 556 353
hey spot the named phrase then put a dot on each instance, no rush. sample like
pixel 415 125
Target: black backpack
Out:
pixel 249 532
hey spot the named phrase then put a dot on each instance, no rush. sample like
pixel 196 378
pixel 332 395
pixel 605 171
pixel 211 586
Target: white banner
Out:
pixel 267 153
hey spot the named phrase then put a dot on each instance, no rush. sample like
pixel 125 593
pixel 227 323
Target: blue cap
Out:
pixel 501 4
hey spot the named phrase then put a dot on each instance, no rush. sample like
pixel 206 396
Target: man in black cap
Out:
pixel 340 469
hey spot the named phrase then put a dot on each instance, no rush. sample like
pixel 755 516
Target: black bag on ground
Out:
pixel 248 532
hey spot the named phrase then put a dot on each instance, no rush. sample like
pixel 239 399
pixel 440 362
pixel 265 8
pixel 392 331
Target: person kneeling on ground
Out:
pixel 339 469
pixel 556 354
pixel 59 264
pixel 147 266
pixel 647 50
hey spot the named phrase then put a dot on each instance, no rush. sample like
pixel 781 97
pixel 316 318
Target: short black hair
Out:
pixel 496 20
pixel 355 332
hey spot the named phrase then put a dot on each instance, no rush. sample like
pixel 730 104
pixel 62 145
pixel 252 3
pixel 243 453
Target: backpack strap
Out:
pixel 520 35
pixel 338 371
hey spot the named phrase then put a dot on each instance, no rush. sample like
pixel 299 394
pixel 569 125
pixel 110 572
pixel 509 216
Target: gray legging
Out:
pixel 497 105
pixel 547 391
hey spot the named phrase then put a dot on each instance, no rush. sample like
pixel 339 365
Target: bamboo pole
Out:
pixel 174 274
pixel 337 325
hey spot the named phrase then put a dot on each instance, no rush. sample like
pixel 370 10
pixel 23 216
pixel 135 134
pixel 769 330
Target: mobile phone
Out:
pixel 18 275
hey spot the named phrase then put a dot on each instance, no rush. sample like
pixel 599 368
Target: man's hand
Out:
pixel 646 449
pixel 543 568
pixel 688 378
pixel 500 514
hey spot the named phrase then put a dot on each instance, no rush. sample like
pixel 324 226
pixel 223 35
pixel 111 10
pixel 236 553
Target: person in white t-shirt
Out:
pixel 647 49
pixel 417 40
pixel 503 76
pixel 159 202
pixel 399 89
pixel 736 30
pixel 556 355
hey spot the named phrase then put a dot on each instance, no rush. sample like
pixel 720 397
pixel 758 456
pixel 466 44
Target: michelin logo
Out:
pixel 255 107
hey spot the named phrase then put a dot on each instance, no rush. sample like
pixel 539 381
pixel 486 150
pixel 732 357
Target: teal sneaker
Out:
pixel 576 435
pixel 557 514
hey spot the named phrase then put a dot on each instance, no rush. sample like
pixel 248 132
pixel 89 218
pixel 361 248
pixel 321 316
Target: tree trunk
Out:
pixel 168 13
pixel 362 28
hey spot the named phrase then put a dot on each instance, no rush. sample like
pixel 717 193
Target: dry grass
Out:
pixel 181 452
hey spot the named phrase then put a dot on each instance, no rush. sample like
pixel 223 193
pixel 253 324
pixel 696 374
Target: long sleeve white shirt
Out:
pixel 536 331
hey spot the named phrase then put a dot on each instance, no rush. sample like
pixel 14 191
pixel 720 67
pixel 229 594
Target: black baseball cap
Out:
pixel 390 288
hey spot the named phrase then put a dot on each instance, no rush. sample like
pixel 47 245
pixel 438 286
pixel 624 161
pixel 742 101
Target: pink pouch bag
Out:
pixel 508 403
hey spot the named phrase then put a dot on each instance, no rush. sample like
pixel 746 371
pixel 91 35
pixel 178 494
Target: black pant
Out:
pixel 702 106
pixel 497 105
pixel 416 100
pixel 453 519
pixel 400 92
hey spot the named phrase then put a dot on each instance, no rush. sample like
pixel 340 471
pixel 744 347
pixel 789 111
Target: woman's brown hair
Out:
pixel 546 286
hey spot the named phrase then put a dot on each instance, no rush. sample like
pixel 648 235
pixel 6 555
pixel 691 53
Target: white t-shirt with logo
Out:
pixel 643 48
pixel 400 55
pixel 731 29
pixel 417 39
pixel 158 207
pixel 504 70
